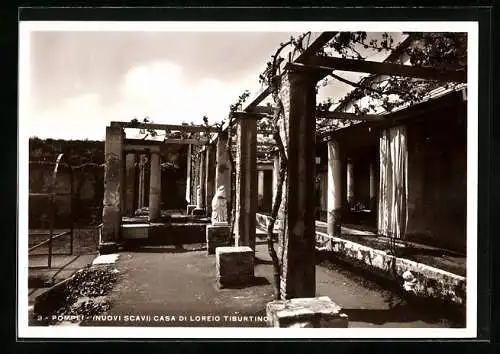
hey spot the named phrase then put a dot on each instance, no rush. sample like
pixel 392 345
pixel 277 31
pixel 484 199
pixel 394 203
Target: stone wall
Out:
pixel 437 180
pixel 87 189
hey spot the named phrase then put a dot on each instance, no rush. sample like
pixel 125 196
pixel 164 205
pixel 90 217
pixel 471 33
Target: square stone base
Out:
pixel 234 266
pixel 198 211
pixel 313 312
pixel 190 208
pixel 218 236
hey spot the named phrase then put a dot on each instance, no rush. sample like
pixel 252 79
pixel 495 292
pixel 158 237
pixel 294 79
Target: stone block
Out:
pixel 218 236
pixel 234 266
pixel 316 312
pixel 190 208
pixel 108 247
pixel 135 231
pixel 198 212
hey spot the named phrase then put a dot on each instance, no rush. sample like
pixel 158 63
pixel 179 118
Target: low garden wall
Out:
pixel 421 279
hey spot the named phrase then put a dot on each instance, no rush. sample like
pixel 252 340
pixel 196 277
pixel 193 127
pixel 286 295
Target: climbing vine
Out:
pixel 425 49
pixel 438 50
pixel 272 77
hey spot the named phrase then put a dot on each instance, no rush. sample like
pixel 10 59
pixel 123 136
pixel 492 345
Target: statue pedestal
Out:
pixel 198 212
pixel 218 235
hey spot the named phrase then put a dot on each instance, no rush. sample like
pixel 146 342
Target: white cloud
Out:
pixel 160 90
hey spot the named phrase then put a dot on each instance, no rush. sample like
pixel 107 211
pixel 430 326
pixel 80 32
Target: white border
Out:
pixel 24 331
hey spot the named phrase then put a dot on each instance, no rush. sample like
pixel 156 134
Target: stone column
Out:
pixel 209 178
pixel 298 93
pixel 130 161
pixel 155 187
pixel 188 174
pixel 113 184
pixel 334 193
pixel 350 184
pixel 373 188
pixel 202 177
pixel 223 167
pixel 142 180
pixel 200 190
pixel 246 180
pixel 260 190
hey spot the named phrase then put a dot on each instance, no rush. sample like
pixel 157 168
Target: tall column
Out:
pixel 223 169
pixel 246 180
pixel 130 161
pixel 298 94
pixel 202 178
pixel 334 188
pixel 155 187
pixel 350 184
pixel 188 174
pixel 209 178
pixel 141 182
pixel 373 188
pixel 113 184
pixel 260 190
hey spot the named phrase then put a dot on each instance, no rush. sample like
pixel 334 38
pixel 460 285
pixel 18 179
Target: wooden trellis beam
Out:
pixel 166 127
pixel 383 68
pixel 349 116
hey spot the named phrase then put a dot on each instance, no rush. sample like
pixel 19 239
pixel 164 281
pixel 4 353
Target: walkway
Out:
pixel 167 283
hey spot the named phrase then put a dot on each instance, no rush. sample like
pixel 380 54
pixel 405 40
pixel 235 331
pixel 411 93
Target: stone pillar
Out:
pixel 113 184
pixel 298 94
pixel 130 161
pixel 202 177
pixel 246 180
pixel 260 190
pixel 334 188
pixel 373 188
pixel 200 190
pixel 142 181
pixel 188 174
pixel 209 178
pixel 155 187
pixel 223 167
pixel 350 185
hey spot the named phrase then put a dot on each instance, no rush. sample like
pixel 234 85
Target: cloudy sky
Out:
pixel 79 81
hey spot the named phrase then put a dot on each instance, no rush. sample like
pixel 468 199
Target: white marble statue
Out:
pixel 219 207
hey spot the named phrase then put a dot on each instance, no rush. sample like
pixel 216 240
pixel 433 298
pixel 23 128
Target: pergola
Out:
pixel 302 72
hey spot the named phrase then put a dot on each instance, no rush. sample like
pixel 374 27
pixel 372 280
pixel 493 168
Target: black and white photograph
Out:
pixel 247 179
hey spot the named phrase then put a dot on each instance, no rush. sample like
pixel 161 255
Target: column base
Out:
pixel 108 247
pixel 218 236
pixel 199 212
pixel 190 208
pixel 317 312
pixel 234 266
